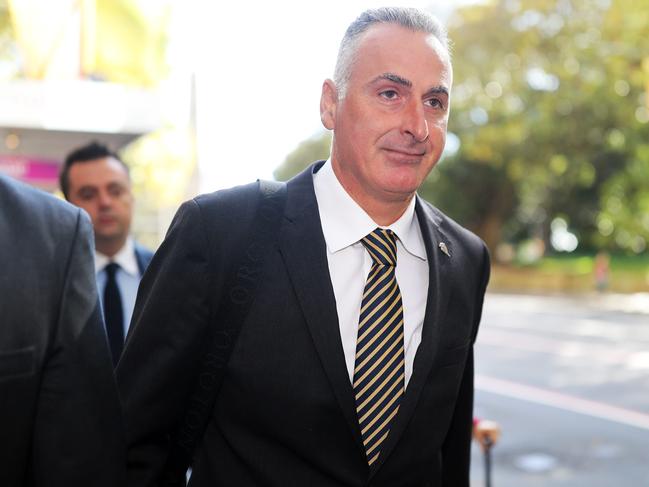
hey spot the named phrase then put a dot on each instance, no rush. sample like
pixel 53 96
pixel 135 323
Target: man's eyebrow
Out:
pixel 395 78
pixel 437 90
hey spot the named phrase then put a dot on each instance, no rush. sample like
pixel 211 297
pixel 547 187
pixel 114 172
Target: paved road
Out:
pixel 568 380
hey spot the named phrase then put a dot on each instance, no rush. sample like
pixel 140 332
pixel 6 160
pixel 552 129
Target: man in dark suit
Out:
pixel 60 418
pixel 97 180
pixel 354 366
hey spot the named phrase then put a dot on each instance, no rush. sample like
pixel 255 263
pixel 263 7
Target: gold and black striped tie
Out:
pixel 379 363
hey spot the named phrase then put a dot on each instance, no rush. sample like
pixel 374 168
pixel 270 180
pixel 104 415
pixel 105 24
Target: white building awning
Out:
pixel 40 122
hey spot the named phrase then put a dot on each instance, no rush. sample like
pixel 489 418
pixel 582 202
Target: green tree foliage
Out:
pixel 7 43
pixel 121 41
pixel 550 104
pixel 308 151
pixel 5 19
pixel 130 38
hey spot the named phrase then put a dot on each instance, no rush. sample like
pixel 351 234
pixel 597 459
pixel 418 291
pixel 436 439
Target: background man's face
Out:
pixel 390 129
pixel 102 188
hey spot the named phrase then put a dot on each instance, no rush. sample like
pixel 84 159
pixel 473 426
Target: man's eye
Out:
pixel 389 94
pixel 434 103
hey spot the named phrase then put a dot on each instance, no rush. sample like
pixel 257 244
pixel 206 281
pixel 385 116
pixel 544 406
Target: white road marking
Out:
pixel 604 353
pixel 562 401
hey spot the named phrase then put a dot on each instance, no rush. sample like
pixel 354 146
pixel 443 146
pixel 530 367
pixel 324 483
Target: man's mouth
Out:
pixel 106 220
pixel 407 152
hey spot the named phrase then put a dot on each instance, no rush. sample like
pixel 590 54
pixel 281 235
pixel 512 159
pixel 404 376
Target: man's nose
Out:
pixel 415 122
pixel 105 199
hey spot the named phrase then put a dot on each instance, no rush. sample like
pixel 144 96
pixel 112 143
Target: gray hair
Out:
pixel 411 18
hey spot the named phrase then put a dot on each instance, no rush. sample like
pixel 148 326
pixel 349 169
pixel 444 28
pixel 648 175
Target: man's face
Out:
pixel 390 127
pixel 102 188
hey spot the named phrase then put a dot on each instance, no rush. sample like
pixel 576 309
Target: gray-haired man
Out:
pixel 354 366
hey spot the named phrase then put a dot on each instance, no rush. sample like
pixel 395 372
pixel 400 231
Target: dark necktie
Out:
pixel 113 312
pixel 379 363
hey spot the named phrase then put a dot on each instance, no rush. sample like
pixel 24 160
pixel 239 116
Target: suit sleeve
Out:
pixel 78 436
pixel 456 450
pixel 155 374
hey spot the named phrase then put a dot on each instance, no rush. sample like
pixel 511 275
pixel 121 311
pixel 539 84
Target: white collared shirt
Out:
pixel 128 277
pixel 344 224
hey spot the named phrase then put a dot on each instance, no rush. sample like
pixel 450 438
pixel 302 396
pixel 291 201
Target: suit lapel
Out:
pixel 436 303
pixel 303 249
pixel 140 260
pixel 143 258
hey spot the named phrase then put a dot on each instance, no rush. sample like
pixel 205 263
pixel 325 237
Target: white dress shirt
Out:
pixel 344 224
pixel 127 277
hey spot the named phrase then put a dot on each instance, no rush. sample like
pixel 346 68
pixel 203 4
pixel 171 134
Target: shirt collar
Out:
pixel 344 222
pixel 125 258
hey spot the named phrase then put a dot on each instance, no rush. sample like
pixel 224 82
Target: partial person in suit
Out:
pixel 60 417
pixel 354 366
pixel 97 180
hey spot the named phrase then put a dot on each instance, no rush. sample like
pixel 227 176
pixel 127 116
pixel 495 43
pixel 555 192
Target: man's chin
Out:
pixel 399 192
pixel 109 237
pixel 403 182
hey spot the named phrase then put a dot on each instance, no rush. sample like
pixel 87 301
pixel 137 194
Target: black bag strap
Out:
pixel 242 284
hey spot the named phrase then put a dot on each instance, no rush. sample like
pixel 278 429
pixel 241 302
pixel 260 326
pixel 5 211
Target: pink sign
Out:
pixel 32 170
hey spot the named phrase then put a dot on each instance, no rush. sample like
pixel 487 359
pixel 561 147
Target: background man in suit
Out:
pixel 96 179
pixel 354 366
pixel 60 416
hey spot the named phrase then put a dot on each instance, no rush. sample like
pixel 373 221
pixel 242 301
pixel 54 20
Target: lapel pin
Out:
pixel 444 248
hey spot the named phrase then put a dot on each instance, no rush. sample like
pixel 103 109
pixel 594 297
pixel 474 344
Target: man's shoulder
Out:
pixel 226 201
pixel 448 225
pixel 226 212
pixel 233 206
pixel 40 231
pixel 42 210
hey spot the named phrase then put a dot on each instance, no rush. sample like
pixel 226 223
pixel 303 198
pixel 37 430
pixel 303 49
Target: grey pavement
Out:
pixel 567 378
pixel 624 303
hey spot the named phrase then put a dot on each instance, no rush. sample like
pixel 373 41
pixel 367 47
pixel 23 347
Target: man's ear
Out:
pixel 328 104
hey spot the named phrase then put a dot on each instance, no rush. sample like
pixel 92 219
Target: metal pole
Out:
pixel 487 461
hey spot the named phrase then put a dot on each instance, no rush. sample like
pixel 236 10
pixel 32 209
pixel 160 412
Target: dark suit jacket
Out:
pixel 143 257
pixel 60 419
pixel 285 415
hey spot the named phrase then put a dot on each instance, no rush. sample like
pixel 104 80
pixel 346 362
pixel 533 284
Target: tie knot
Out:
pixel 111 269
pixel 382 246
